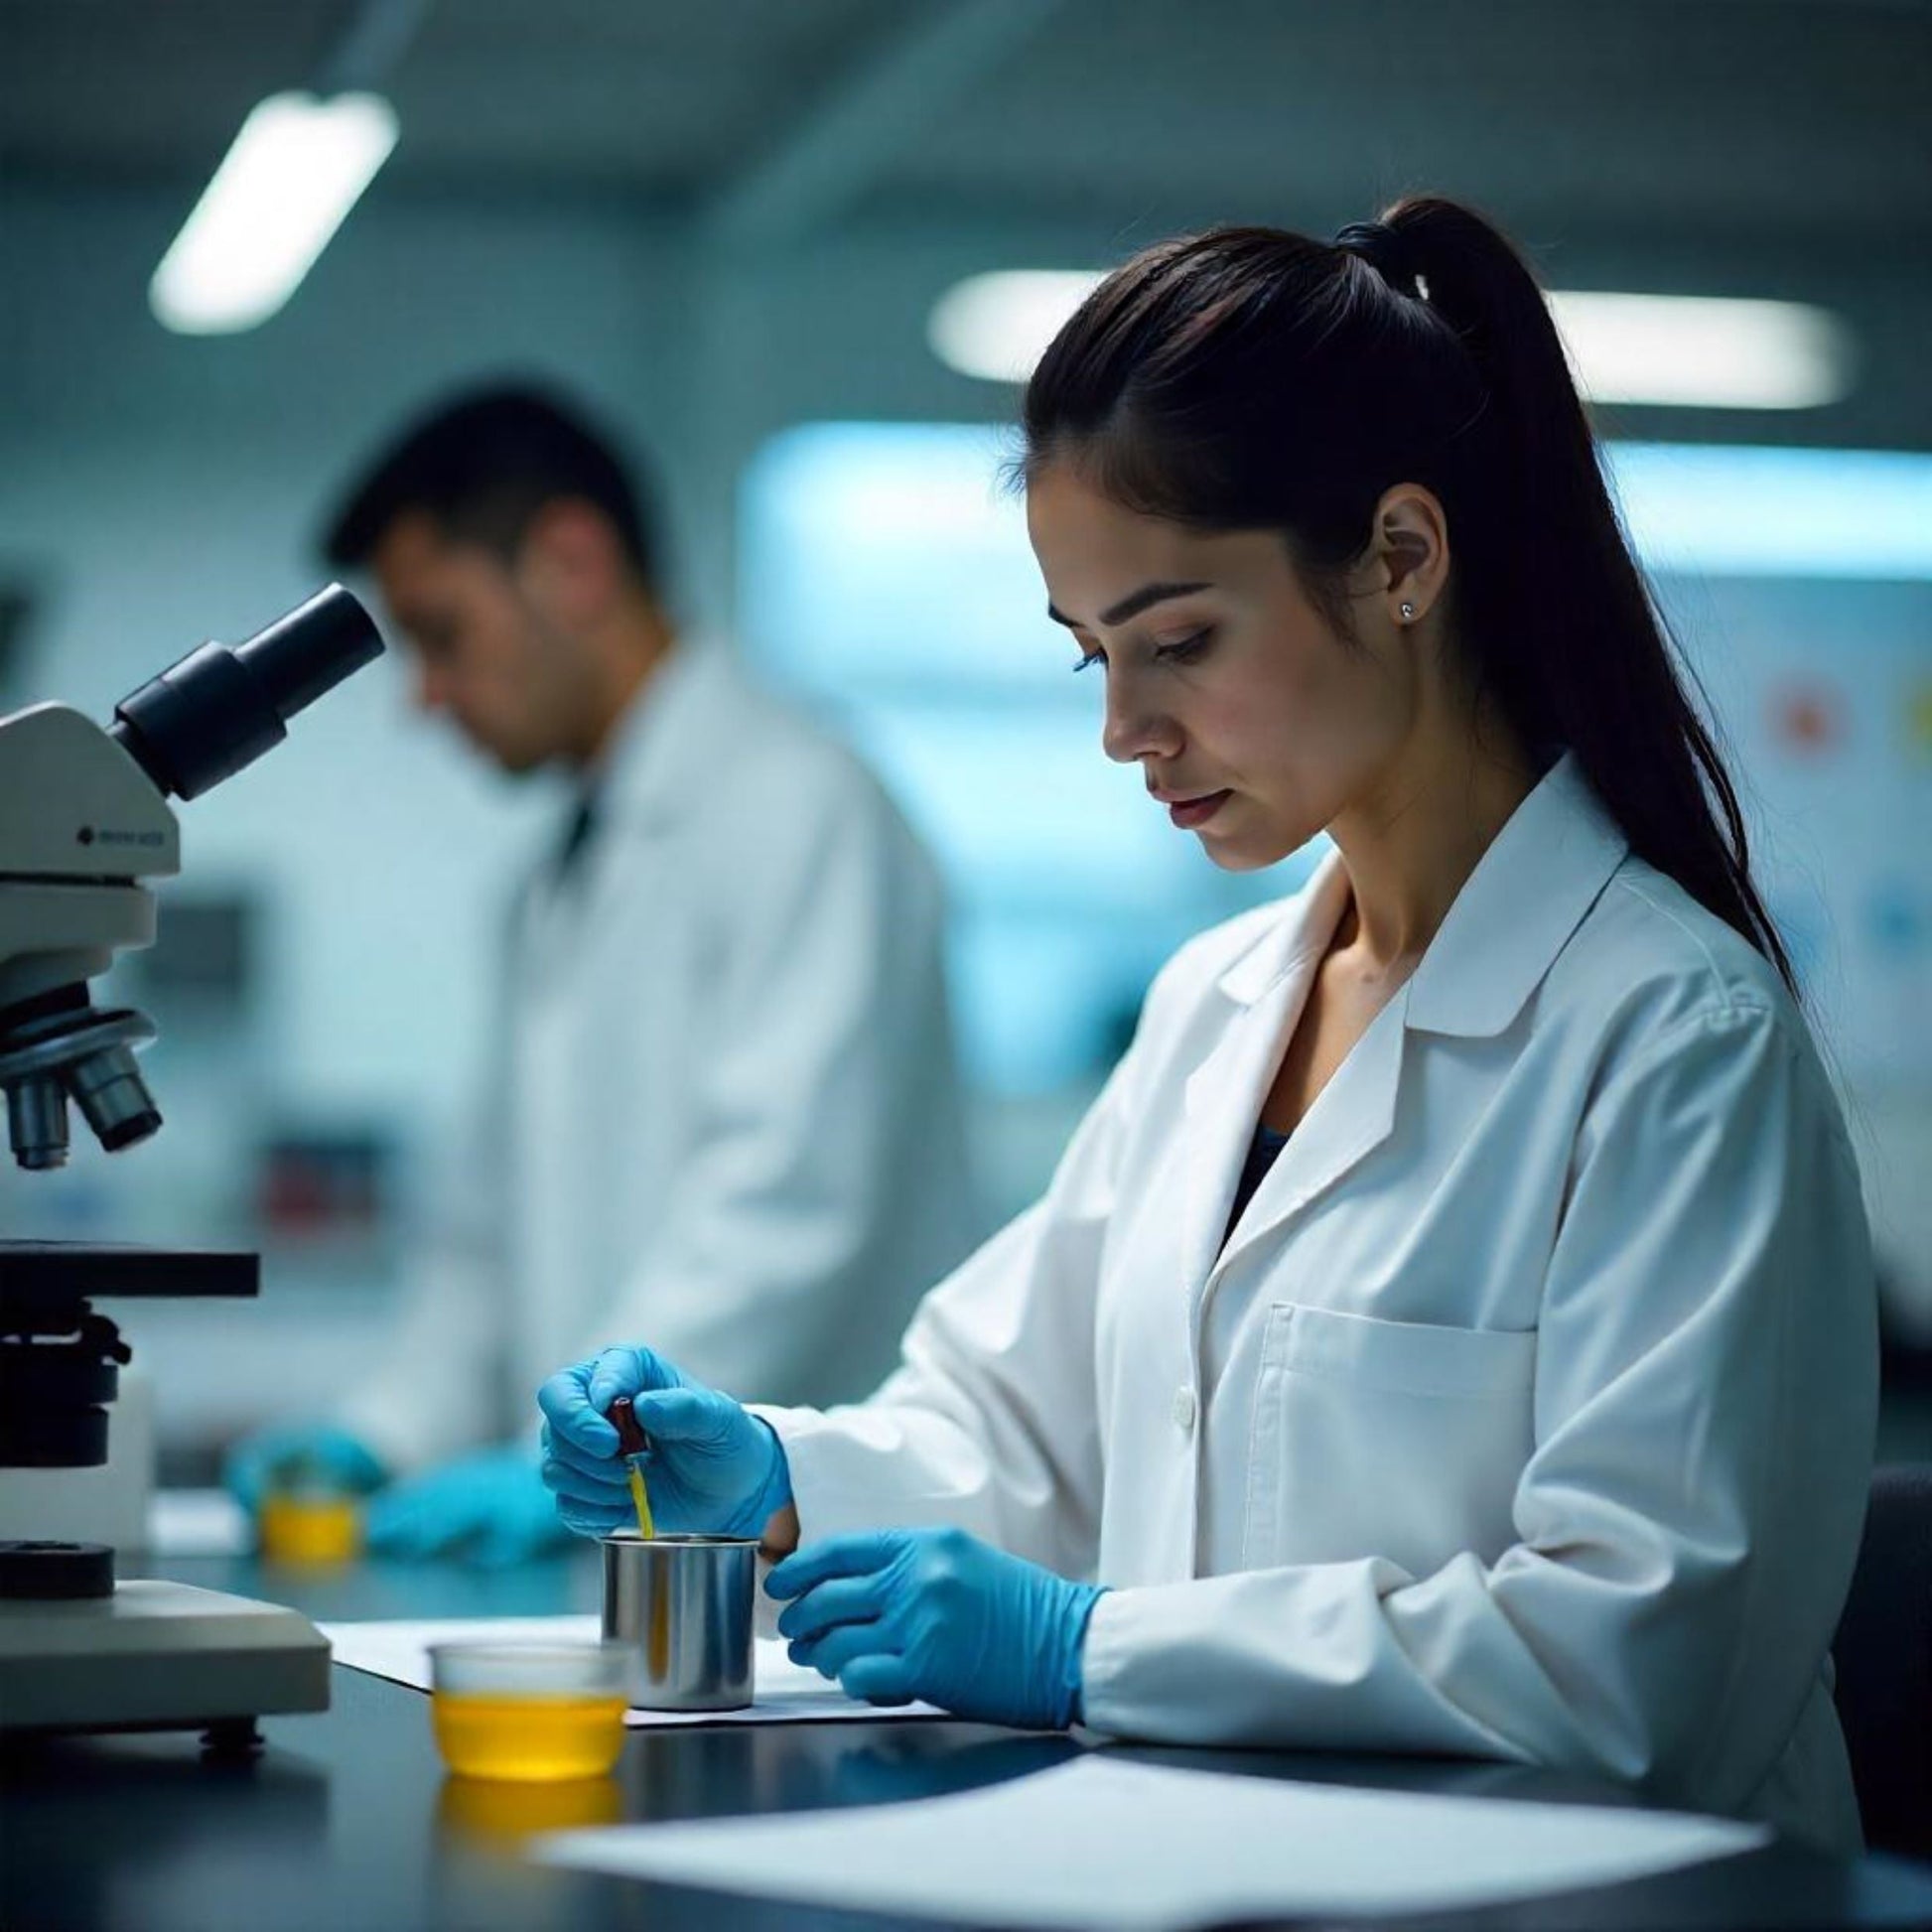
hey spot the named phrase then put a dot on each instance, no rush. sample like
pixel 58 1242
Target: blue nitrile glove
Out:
pixel 898 1614
pixel 490 1508
pixel 711 1469
pixel 314 1452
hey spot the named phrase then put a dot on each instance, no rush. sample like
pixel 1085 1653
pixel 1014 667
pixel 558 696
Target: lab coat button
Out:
pixel 1184 1408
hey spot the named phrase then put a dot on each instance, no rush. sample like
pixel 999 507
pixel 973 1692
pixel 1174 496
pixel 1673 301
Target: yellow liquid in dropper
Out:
pixel 638 1495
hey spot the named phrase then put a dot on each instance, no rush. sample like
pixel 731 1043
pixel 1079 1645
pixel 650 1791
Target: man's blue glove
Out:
pixel 314 1453
pixel 898 1614
pixel 712 1468
pixel 490 1508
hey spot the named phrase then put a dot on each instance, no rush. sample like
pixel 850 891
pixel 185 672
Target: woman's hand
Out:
pixel 711 1468
pixel 899 1615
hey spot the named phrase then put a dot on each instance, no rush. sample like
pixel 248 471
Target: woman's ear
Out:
pixel 1410 546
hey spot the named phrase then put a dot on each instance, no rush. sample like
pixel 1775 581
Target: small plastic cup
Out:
pixel 531 1712
pixel 308 1526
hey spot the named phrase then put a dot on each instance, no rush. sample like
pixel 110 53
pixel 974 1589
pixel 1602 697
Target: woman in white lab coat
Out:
pixel 1452 1329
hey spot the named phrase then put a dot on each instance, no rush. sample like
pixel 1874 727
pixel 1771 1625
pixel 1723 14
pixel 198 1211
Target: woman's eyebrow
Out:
pixel 1132 605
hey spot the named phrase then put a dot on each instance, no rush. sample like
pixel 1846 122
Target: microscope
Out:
pixel 83 820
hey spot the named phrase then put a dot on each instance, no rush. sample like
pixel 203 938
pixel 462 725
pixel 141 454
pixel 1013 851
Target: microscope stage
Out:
pixel 156 1655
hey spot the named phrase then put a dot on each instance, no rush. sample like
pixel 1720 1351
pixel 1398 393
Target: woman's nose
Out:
pixel 1134 730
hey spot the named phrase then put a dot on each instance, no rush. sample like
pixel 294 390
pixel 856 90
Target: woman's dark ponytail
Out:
pixel 1250 379
pixel 1558 593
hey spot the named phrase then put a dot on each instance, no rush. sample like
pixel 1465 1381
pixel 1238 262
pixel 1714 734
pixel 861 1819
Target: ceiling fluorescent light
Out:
pixel 997 326
pixel 1698 352
pixel 1692 351
pixel 296 169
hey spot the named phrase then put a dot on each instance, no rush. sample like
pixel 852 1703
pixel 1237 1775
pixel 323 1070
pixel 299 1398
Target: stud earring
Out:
pixel 1407 611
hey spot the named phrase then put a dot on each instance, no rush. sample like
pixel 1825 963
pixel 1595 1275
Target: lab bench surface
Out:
pixel 347 1821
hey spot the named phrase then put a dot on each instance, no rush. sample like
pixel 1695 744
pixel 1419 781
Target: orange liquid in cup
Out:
pixel 535 1735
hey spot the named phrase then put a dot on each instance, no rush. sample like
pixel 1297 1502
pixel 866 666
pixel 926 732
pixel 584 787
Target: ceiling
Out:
pixel 1789 124
pixel 660 96
pixel 1778 148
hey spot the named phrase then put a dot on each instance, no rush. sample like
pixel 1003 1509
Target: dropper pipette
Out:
pixel 631 1444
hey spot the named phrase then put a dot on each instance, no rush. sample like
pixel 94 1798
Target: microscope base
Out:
pixel 156 1656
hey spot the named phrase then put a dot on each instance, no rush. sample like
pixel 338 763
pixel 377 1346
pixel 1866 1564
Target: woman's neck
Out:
pixel 1412 839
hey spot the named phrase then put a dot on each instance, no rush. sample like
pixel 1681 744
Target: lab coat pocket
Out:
pixel 1400 1439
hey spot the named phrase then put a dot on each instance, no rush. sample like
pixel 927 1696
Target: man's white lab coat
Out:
pixel 723 1112
pixel 1527 1412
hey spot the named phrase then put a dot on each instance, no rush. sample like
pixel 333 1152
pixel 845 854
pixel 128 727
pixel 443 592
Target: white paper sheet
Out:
pixel 1102 1841
pixel 781 1691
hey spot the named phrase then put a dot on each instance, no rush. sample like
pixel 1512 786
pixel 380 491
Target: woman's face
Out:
pixel 1252 722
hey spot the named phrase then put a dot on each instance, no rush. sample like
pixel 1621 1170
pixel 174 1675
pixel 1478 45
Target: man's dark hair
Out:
pixel 483 465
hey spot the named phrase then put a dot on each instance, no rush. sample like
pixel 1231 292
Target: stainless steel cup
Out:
pixel 682 1606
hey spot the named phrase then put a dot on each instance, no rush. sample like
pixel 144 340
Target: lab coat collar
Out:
pixel 1307 924
pixel 1224 1094
pixel 1516 911
pixel 665 745
pixel 1528 894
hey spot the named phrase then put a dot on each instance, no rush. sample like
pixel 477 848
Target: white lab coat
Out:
pixel 1526 1413
pixel 723 1112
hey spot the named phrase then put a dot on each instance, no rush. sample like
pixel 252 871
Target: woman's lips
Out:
pixel 1188 813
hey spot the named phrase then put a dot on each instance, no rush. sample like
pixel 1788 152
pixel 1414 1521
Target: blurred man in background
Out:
pixel 722 1108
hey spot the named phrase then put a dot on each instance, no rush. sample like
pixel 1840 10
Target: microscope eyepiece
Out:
pixel 217 710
